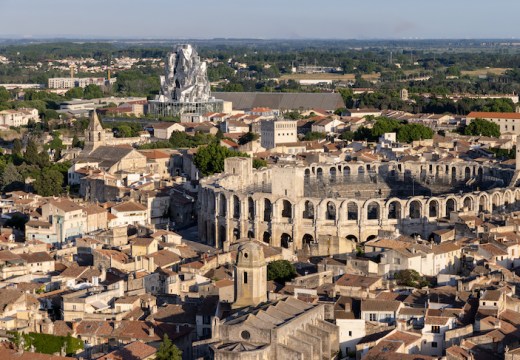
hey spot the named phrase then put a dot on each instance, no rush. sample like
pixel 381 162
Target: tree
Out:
pixel 49 182
pixel 259 163
pixel 74 93
pixel 248 137
pixel 410 278
pixel 413 132
pixel 168 351
pixel 31 152
pixel 77 143
pixel 17 147
pixel 482 127
pixel 4 94
pixel 210 159
pixel 313 135
pixel 11 178
pixel 347 135
pixel 280 271
pixel 92 92
pixel 385 125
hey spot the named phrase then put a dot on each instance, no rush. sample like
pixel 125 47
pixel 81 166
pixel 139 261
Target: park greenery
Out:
pixel 280 271
pixel 48 344
pixel 33 166
pixel 406 133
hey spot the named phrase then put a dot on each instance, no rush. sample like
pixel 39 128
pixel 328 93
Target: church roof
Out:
pixel 108 156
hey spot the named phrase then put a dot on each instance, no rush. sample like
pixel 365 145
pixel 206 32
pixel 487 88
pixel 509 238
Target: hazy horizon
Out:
pixel 269 20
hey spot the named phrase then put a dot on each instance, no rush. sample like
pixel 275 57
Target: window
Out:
pixel 245 277
pixel 436 329
pixel 373 317
pixel 434 344
pixel 350 333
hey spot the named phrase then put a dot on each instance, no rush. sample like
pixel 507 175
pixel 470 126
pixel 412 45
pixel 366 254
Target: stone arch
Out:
pixel 319 173
pixel 286 209
pixel 483 203
pixel 451 205
pixel 236 207
pixel 346 171
pixel 467 173
pixel 373 211
pixel 236 234
pixel 332 173
pixel 508 198
pixel 361 170
pixel 352 211
pixel 394 210
pixel 496 201
pixel 415 209
pixel 250 234
pixel 352 238
pixel 250 208
pixel 308 210
pixel 307 239
pixel 468 203
pixel 266 237
pixel 222 237
pixel 371 237
pixel 222 204
pixel 330 213
pixel 268 210
pixel 285 239
pixel 307 173
pixel 433 208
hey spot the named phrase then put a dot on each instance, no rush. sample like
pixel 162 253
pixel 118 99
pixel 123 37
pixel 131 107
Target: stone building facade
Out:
pixel 328 208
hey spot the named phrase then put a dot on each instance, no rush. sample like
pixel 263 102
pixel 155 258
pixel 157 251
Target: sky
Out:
pixel 262 19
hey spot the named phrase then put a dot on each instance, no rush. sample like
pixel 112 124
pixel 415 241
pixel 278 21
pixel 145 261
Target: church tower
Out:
pixel 251 275
pixel 94 134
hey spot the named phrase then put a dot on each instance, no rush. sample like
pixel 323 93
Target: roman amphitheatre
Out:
pixel 327 209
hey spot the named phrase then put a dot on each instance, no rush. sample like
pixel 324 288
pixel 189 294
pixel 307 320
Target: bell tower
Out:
pixel 94 134
pixel 251 275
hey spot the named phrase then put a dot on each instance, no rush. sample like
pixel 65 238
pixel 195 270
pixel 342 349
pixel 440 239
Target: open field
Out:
pixel 485 71
pixel 327 76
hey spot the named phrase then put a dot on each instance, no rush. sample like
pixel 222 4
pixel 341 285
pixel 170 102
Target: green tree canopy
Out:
pixel 49 182
pixel 259 163
pixel 75 93
pixel 11 178
pixel 168 351
pixel 210 159
pixel 92 92
pixel 482 127
pixel 410 278
pixel 413 132
pixel 313 135
pixel 280 271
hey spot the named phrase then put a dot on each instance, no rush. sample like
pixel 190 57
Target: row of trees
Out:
pixel 406 133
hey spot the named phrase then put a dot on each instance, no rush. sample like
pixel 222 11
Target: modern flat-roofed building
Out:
pixel 278 132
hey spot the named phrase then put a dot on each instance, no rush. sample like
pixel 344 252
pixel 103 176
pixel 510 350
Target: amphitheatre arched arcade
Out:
pixel 328 208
